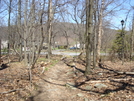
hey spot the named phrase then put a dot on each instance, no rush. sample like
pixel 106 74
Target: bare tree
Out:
pixel 0 50
pixel 42 34
pixel 26 31
pixel 100 30
pixel 19 29
pixel 89 32
pixel 131 39
pixel 49 29
pixel 9 25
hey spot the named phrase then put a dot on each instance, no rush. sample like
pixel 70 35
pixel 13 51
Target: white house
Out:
pixel 4 44
pixel 77 45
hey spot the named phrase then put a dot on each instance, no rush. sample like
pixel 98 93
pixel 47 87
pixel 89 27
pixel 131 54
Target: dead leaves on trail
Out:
pixel 113 80
pixel 109 82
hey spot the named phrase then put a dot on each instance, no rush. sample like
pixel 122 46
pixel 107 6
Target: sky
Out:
pixel 118 16
pixel 126 14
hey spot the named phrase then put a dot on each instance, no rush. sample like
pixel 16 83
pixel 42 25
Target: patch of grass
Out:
pixel 4 50
pixel 53 62
pixel 41 59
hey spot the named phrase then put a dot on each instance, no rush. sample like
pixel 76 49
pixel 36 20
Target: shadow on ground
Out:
pixel 3 66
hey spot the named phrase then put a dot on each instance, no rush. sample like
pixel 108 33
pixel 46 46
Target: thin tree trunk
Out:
pixel 95 37
pixel 99 32
pixel 94 48
pixel 42 35
pixel 33 34
pixel 131 40
pixel 89 20
pixel 25 33
pixel 50 16
pixel 0 51
pixel 9 29
pixel 19 29
pixel 66 35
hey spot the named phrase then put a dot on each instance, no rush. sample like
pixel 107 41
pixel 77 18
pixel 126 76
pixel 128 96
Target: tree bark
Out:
pixel 25 33
pixel 0 51
pixel 19 29
pixel 131 40
pixel 42 34
pixel 33 33
pixel 89 28
pixel 50 17
pixel 9 29
pixel 99 37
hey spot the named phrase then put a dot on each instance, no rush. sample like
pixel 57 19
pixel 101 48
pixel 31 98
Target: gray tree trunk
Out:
pixel 131 40
pixel 19 30
pixel 9 29
pixel 89 28
pixel 42 34
pixel 26 31
pixel 0 50
pixel 50 17
pixel 100 30
pixel 33 34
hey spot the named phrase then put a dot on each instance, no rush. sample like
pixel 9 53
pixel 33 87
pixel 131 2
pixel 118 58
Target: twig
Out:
pixel 14 90
pixel 30 74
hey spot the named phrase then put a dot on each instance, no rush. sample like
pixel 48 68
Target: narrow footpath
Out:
pixel 55 85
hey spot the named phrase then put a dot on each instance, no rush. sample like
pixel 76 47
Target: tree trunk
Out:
pixel 131 40
pixel 66 36
pixel 9 29
pixel 89 20
pixel 25 33
pixel 0 51
pixel 33 33
pixel 99 31
pixel 42 34
pixel 19 30
pixel 95 36
pixel 50 17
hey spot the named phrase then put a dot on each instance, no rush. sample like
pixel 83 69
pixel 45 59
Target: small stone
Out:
pixel 100 74
pixel 70 72
pixel 86 99
pixel 80 95
pixel 88 87
pixel 100 85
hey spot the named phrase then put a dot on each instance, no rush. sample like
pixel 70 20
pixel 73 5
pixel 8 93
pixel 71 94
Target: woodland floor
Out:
pixel 64 80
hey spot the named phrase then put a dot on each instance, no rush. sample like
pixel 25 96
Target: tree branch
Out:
pixel 14 90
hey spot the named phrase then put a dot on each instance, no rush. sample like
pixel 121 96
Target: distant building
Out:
pixel 4 44
pixel 77 45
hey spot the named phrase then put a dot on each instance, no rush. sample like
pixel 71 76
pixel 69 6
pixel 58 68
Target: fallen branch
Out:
pixel 109 80
pixel 129 73
pixel 121 73
pixel 110 70
pixel 14 90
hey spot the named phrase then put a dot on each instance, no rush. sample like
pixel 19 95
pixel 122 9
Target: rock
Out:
pixel 69 73
pixel 80 95
pixel 86 99
pixel 100 74
pixel 100 85
pixel 71 85
pixel 88 87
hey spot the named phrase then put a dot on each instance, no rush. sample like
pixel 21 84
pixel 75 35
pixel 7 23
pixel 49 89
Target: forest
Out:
pixel 66 50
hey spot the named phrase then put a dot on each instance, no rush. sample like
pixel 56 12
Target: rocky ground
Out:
pixel 63 80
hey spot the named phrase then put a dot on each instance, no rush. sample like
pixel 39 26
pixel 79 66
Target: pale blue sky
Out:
pixel 119 15
pixel 126 12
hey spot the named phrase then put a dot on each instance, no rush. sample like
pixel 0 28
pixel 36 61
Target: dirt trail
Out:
pixel 53 85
